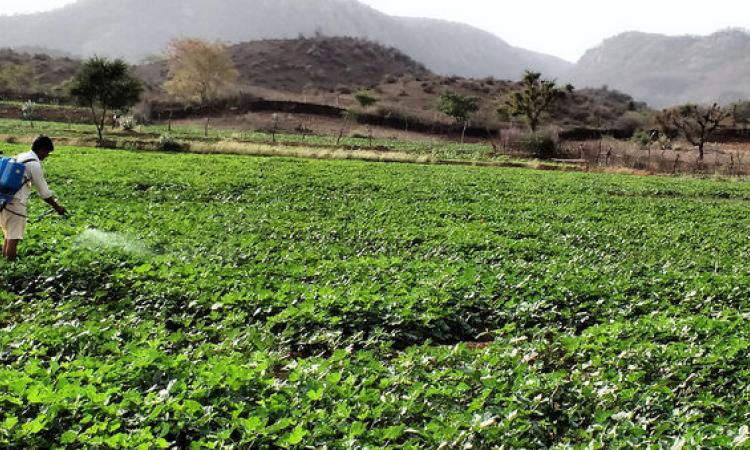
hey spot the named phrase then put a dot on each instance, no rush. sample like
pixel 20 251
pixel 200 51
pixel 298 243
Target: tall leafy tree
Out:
pixel 199 71
pixel 535 97
pixel 459 107
pixel 105 86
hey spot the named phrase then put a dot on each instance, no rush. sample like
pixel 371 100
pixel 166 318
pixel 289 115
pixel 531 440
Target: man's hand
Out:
pixel 56 206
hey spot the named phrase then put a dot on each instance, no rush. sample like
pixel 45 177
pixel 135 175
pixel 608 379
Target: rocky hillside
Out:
pixel 34 73
pixel 137 28
pixel 308 65
pixel 328 70
pixel 666 71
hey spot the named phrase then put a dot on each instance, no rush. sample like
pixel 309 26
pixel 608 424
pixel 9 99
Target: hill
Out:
pixel 305 65
pixel 24 73
pixel 138 28
pixel 327 71
pixel 666 71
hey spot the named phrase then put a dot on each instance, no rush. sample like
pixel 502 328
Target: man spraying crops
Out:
pixel 13 214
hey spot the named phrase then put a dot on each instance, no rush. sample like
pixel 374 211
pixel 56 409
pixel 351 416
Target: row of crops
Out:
pixel 230 302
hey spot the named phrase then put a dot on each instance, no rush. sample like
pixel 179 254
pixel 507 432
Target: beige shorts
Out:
pixel 13 225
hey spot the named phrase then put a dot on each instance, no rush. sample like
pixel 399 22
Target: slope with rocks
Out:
pixel 308 65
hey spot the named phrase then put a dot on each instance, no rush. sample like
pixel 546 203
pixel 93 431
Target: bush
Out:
pixel 541 145
pixel 630 121
pixel 168 143
pixel 642 138
pixel 128 123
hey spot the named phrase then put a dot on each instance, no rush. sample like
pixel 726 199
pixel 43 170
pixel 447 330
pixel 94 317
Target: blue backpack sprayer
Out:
pixel 12 179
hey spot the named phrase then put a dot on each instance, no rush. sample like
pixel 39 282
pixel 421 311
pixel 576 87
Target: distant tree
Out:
pixel 740 114
pixel 16 78
pixel 631 121
pixel 665 123
pixel 459 107
pixel 365 99
pixel 535 97
pixel 105 86
pixel 199 71
pixel 28 111
pixel 697 123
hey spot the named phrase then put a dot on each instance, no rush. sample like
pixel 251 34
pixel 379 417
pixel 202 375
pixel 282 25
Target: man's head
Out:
pixel 42 146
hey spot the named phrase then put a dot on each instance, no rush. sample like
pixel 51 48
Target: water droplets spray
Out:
pixel 94 239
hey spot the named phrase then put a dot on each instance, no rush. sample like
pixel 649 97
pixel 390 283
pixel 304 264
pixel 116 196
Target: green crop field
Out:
pixel 196 301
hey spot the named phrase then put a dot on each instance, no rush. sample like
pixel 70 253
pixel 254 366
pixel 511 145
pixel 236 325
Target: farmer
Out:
pixel 13 216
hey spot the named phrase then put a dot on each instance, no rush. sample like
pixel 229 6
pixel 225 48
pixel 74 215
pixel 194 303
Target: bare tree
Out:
pixel 697 123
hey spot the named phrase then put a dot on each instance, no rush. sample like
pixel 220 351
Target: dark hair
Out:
pixel 42 143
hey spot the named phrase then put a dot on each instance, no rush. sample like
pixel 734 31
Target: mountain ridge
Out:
pixel 140 28
pixel 670 70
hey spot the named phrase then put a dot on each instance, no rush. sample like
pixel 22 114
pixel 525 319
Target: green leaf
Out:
pixel 357 429
pixel 333 378
pixel 68 437
pixel 145 268
pixel 394 432
pixel 297 435
pixel 254 424
pixel 10 422
pixel 36 425
pixel 315 394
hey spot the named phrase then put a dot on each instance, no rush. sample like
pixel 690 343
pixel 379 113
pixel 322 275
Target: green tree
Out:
pixel 459 107
pixel 105 86
pixel 535 97
pixel 697 123
pixel 365 99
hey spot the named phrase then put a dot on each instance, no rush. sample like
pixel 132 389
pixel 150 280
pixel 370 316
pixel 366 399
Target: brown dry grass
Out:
pixel 682 158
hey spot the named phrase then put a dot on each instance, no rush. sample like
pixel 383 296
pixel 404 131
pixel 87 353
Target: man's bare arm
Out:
pixel 56 206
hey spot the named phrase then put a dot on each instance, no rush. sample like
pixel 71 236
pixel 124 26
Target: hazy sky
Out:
pixel 565 28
